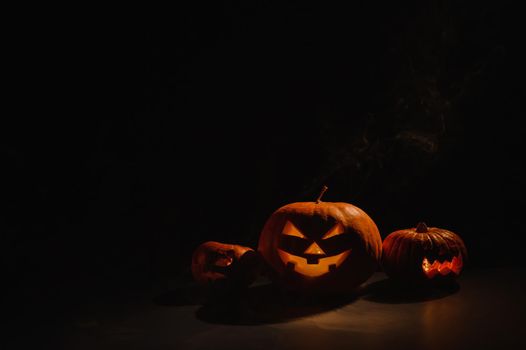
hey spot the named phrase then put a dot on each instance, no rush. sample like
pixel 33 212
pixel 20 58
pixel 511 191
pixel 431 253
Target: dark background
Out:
pixel 139 134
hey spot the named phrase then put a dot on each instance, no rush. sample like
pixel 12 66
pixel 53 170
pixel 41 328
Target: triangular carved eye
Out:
pixel 291 230
pixel 336 230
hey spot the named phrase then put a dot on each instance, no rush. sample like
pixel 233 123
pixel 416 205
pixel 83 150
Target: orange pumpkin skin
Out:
pixel 354 257
pixel 423 254
pixel 227 265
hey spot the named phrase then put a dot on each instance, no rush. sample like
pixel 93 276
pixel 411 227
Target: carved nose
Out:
pixel 314 249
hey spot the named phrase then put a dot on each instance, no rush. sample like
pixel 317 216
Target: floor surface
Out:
pixel 486 310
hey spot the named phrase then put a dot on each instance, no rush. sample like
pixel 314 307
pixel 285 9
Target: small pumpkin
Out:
pixel 320 246
pixel 423 254
pixel 227 265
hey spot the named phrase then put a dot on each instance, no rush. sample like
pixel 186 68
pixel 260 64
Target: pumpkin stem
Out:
pixel 323 190
pixel 421 227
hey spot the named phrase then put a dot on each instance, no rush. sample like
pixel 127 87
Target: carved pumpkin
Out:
pixel 227 265
pixel 320 246
pixel 423 254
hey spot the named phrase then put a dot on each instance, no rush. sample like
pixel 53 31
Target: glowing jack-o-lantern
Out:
pixel 423 254
pixel 320 246
pixel 225 265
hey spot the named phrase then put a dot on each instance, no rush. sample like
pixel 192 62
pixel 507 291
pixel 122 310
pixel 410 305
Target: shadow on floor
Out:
pixel 266 304
pixel 389 292
pixel 181 296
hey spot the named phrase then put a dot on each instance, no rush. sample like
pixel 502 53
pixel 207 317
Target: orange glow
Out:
pixel 291 230
pixel 314 249
pixel 334 231
pixel 313 270
pixel 224 261
pixel 444 268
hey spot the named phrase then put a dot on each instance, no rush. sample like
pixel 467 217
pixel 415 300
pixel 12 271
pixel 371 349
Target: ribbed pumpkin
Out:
pixel 320 246
pixel 225 265
pixel 423 254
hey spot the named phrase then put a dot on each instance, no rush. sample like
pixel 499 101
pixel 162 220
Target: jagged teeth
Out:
pixel 444 268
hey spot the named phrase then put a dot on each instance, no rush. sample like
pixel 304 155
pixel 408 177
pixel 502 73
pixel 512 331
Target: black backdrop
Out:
pixel 140 135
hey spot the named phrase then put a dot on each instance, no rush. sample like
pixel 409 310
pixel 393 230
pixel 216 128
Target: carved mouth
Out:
pixel 313 267
pixel 220 261
pixel 431 269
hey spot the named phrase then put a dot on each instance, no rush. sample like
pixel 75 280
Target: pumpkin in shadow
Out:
pixel 220 265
